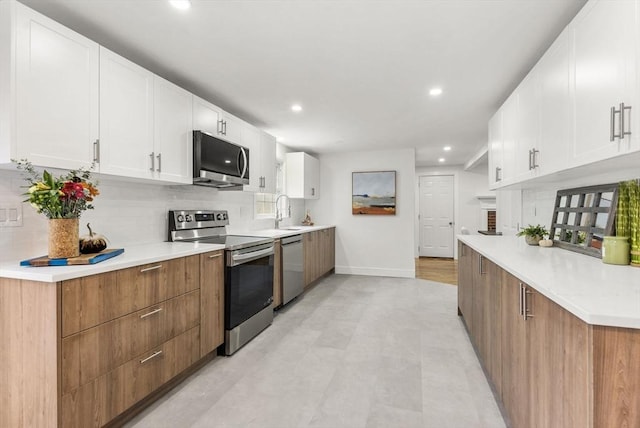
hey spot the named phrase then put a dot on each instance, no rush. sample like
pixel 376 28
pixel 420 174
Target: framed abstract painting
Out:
pixel 373 193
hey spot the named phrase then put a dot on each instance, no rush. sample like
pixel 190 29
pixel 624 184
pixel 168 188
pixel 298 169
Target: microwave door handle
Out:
pixel 244 162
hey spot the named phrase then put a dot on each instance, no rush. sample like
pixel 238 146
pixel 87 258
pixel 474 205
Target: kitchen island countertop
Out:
pixel 595 292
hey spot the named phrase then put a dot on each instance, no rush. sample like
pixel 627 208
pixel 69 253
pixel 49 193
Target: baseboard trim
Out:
pixel 372 271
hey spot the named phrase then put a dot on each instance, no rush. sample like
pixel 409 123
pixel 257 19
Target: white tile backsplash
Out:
pixel 129 213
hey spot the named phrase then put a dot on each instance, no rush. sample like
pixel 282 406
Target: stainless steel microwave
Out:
pixel 218 163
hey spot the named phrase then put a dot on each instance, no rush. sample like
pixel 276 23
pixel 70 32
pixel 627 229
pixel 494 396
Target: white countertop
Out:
pixel 595 292
pixel 287 231
pixel 134 255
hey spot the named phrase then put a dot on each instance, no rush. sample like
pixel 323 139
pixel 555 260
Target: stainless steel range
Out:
pixel 248 277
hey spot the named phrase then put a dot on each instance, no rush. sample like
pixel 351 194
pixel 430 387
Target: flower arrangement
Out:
pixel 65 196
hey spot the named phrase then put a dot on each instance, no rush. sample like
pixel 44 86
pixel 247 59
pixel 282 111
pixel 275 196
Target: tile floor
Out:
pixel 354 351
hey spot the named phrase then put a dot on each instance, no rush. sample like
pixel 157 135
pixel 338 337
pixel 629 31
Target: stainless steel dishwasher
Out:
pixel 292 268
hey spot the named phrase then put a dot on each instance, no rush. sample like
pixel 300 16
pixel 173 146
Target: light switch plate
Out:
pixel 11 215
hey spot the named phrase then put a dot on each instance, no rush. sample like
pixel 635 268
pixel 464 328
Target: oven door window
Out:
pixel 249 289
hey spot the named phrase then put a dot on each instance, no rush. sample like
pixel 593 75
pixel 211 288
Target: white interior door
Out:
pixel 436 216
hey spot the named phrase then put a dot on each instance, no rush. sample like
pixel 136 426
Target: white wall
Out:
pixel 368 245
pixel 467 186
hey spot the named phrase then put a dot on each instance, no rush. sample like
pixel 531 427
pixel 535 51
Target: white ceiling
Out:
pixel 361 69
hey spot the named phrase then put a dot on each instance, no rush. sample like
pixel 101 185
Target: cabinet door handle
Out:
pixel 534 158
pixel 480 264
pixel 150 268
pixel 96 151
pixel 313 191
pixel 526 314
pixel 219 127
pixel 224 127
pixel 622 130
pixel 612 123
pixel 521 300
pixel 159 162
pixel 214 256
pixel 150 357
pixel 530 160
pixel 498 174
pixel 153 160
pixel 148 314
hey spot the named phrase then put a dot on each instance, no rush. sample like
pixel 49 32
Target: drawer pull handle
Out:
pixel 155 311
pixel 215 256
pixel 150 357
pixel 150 268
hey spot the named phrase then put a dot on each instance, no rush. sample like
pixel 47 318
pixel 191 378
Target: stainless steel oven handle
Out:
pixel 251 256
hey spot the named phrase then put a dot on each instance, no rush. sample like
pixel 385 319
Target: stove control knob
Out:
pixel 189 218
pixel 219 216
pixel 224 216
pixel 180 218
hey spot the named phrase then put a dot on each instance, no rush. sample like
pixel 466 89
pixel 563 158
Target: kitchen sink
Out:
pixel 290 228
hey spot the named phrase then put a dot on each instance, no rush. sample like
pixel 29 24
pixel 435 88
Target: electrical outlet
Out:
pixel 11 215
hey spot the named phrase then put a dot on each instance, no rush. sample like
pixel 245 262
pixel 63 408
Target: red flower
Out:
pixel 72 190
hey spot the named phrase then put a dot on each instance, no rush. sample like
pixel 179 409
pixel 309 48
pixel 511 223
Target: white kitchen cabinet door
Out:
pixel 302 176
pixel 268 162
pixel 527 127
pixel 173 134
pixel 126 117
pixel 604 43
pixel 495 150
pixel 251 140
pixel 206 116
pixel 555 107
pixel 231 128
pixel 509 139
pixel 57 92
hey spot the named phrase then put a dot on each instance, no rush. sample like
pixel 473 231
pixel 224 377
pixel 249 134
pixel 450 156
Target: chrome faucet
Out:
pixel 279 212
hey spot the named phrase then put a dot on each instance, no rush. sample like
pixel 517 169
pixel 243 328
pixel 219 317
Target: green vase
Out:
pixel 615 250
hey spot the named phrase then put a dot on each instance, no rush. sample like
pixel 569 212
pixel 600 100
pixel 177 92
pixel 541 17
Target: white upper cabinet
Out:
pixel 231 128
pixel 495 150
pixel 126 117
pixel 604 44
pixel 56 87
pixel 250 139
pixel 173 134
pixel 206 116
pixel 509 138
pixel 527 125
pixel 268 162
pixel 145 123
pixel 555 108
pixel 262 160
pixel 579 104
pixel 302 176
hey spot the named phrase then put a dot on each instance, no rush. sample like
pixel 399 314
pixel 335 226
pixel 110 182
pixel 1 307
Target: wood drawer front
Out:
pixel 97 402
pixel 95 351
pixel 96 299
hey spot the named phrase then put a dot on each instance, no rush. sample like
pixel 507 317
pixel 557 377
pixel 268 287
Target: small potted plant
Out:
pixel 533 234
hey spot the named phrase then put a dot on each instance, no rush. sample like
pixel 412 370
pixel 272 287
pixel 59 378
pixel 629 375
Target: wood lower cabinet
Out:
pixel 549 368
pixel 319 254
pixel 211 301
pixel 80 352
pixel 465 283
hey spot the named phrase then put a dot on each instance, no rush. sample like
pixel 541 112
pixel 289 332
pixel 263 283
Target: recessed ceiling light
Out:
pixel 441 160
pixel 181 4
pixel 296 107
pixel 434 92
pixel 446 148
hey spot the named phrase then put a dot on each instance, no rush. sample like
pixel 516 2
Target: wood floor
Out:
pixel 437 269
